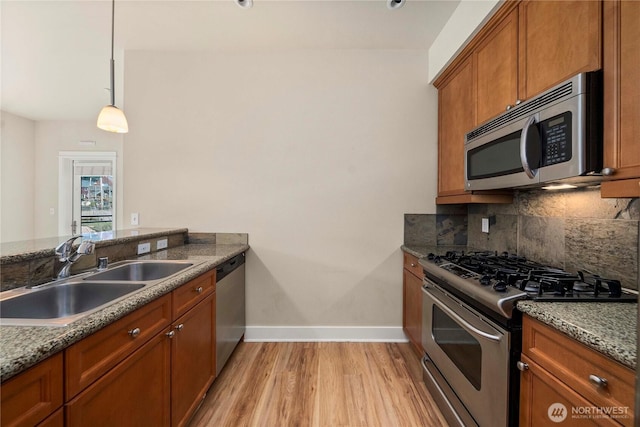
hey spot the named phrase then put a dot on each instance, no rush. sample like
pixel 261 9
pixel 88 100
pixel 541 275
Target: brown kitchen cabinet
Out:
pixel 35 394
pixel 412 301
pixel 557 39
pixel 193 363
pixel 558 369
pixel 136 392
pixel 161 356
pixel 496 67
pixel 525 48
pixel 621 46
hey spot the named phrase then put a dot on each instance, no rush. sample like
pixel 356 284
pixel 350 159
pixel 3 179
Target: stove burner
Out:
pixel 497 272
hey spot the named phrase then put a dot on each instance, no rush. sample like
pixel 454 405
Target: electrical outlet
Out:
pixel 144 248
pixel 485 225
pixel 134 218
pixel 162 244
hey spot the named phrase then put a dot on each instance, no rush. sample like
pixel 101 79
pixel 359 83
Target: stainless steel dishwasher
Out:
pixel 230 314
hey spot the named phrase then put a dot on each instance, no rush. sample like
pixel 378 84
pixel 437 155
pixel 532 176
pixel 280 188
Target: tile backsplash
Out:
pixel 573 230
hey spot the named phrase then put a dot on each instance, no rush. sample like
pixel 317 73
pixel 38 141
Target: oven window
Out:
pixel 462 348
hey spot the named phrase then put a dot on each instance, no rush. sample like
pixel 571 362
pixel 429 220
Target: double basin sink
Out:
pixel 64 301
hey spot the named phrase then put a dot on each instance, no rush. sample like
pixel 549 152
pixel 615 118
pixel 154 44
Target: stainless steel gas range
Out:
pixel 472 333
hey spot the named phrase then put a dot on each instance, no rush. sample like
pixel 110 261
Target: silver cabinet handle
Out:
pixel 508 107
pixel 199 289
pixel 522 366
pixel 518 101
pixel 413 265
pixel 179 327
pixel 599 381
pixel 608 171
pixel 134 332
pixel 170 334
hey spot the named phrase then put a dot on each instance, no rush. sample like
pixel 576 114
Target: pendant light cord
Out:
pixel 112 63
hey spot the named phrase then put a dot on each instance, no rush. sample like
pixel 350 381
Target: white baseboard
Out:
pixel 325 333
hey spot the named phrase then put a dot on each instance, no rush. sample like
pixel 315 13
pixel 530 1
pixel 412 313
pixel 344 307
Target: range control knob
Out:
pixel 485 280
pixel 500 287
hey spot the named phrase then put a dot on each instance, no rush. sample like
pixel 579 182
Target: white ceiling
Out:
pixel 55 54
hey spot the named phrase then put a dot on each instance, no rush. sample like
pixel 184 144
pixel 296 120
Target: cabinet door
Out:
pixel 456 116
pixel 622 97
pixel 193 359
pixel 539 390
pixel 134 393
pixel 557 40
pixel 496 64
pixel 31 396
pixel 412 309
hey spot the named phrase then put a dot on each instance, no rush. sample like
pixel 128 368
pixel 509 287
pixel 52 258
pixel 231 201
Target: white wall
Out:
pixel 316 154
pixel 17 155
pixel 53 136
pixel 466 21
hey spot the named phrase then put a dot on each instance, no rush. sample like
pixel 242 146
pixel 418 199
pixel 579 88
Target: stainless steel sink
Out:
pixel 59 304
pixel 141 271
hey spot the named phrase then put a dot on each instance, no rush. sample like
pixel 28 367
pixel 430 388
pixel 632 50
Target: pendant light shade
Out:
pixel 111 118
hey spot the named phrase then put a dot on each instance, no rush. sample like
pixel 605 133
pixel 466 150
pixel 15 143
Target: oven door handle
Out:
pixel 466 325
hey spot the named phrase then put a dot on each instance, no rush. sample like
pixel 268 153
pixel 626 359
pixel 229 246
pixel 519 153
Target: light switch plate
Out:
pixel 134 218
pixel 485 225
pixel 144 248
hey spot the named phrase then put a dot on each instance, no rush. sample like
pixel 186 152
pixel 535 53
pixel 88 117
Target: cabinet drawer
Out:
pixel 411 264
pixel 573 363
pixel 191 293
pixel 31 396
pixel 89 359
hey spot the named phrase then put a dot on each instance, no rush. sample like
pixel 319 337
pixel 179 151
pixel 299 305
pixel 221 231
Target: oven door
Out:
pixel 470 353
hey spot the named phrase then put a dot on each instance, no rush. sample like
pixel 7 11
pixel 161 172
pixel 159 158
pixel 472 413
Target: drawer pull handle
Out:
pixel 522 366
pixel 170 334
pixel 413 265
pixel 599 381
pixel 134 332
pixel 199 289
pixel 179 327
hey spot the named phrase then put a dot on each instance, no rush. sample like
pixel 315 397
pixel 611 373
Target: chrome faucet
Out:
pixel 63 251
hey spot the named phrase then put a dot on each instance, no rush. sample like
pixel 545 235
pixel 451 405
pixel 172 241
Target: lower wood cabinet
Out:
pixel 412 301
pixel 193 359
pixel 564 381
pixel 33 395
pixel 136 392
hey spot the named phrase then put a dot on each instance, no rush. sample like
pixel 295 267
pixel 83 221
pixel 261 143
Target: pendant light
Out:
pixel 111 118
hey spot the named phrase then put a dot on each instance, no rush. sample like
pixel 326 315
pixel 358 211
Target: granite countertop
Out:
pixel 29 249
pixel 24 346
pixel 609 328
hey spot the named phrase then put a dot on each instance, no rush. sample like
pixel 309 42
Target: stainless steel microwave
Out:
pixel 553 137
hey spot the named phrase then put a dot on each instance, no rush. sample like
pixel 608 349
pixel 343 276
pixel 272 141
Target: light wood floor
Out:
pixel 320 384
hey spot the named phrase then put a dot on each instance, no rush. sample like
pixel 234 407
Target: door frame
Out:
pixel 65 184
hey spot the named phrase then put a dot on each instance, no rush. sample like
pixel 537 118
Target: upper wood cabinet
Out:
pixel 456 106
pixel 622 97
pixel 524 49
pixel 496 65
pixel 557 40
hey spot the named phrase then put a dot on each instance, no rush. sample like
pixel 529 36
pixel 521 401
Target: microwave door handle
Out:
pixel 466 325
pixel 530 149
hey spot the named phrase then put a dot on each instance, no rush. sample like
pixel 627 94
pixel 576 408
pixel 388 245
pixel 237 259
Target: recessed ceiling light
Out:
pixel 395 4
pixel 245 4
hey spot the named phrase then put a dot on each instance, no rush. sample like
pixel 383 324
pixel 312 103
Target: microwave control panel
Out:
pixel 556 139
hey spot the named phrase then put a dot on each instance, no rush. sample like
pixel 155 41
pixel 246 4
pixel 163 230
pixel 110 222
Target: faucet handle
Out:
pixel 86 248
pixel 63 250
